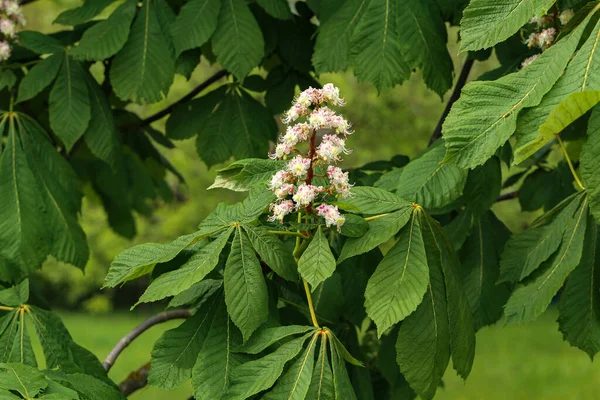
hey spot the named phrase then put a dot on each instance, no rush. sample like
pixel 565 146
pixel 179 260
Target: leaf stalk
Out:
pixel 571 167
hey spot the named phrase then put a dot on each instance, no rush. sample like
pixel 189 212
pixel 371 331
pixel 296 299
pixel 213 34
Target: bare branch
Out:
pixel 460 83
pixel 141 328
pixel 135 381
pixel 507 196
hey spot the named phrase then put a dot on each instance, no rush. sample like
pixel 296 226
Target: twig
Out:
pixel 138 330
pixel 163 113
pixel 135 381
pixel 460 83
pixel 23 2
pixel 507 196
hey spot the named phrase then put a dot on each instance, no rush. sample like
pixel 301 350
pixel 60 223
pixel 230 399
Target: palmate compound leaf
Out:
pixel 380 231
pixel 376 54
pixel 485 116
pixel 371 200
pixel 336 33
pixel 272 252
pixel 196 22
pixel 579 307
pixel 487 22
pixel 590 163
pixel 580 75
pixel 15 343
pixel 525 251
pixel 530 300
pixel 481 268
pixel 397 287
pixel 321 384
pixel 245 289
pixel 317 263
pixel 143 70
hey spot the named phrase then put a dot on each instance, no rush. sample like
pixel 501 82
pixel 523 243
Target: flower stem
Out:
pixel 4 308
pixel 311 307
pixel 571 167
pixel 297 234
pixel 376 217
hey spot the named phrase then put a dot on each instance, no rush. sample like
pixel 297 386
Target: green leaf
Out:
pixel 579 307
pixel 430 183
pixel 40 77
pixel 40 43
pixel 354 227
pixel 272 251
pixel 343 352
pixel 266 337
pixel 458 230
pixel 15 343
pixel 244 175
pixel 7 79
pixel 245 289
pixel 423 43
pixel 257 375
pixel 237 42
pixel 590 163
pixel 240 127
pixel 341 380
pixel 141 259
pixel 187 62
pixel 200 264
pixel 189 118
pixel 321 384
pixel 525 251
pixel 279 9
pixel 197 294
pixel 175 352
pixel 487 22
pixel 69 106
pixel 423 345
pixel 317 263
pixel 195 24
pixel 213 369
pixel 376 54
pixel 529 301
pixel 25 380
pixel 294 384
pixel 483 186
pixel 485 116
pixel 380 231
pixel 84 13
pixel 144 68
pixel 93 389
pixel 400 280
pixel 579 76
pixel 104 39
pixel 481 268
pixel 370 200
pixel 15 295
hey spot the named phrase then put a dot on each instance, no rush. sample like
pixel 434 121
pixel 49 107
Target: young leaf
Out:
pixel 376 54
pixel 321 384
pixel 200 264
pixel 317 263
pixel 424 43
pixel 40 77
pixel 106 38
pixel 196 22
pixel 144 68
pixel 272 251
pixel 380 231
pixel 342 351
pixel 336 33
pixel 590 163
pixel 487 22
pixel 237 42
pixel 529 301
pixel 579 307
pixel 579 76
pixel 69 106
pixel 485 116
pixel 174 354
pixel 370 200
pixel 245 289
pixel 525 251
pixel 84 13
pixel 400 280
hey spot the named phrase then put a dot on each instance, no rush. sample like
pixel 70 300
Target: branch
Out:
pixel 141 328
pixel 507 196
pixel 460 83
pixel 23 2
pixel 153 118
pixel 135 380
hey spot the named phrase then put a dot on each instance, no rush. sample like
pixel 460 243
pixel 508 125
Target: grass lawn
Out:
pixel 516 362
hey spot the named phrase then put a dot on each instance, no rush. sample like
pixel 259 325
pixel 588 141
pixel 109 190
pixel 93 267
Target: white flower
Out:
pixel 4 51
pixel 319 118
pixel 566 16
pixel 279 179
pixel 331 148
pixel 7 27
pixel 331 94
pixel 532 40
pixel 284 191
pixel 339 181
pixel 12 8
pixel 541 21
pixel 529 60
pixel 294 113
pixel 298 166
pixel 332 215
pixel 280 210
pixel 306 194
pixel 280 150
pixel 546 37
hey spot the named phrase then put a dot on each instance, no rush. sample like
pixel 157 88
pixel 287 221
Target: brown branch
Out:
pixel 138 330
pixel 135 380
pixel 163 113
pixel 507 196
pixel 460 83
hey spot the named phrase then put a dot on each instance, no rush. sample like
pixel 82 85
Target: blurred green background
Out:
pixel 527 362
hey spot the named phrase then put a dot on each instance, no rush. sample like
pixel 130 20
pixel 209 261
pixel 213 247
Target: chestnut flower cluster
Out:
pixel 11 19
pixel 545 33
pixel 293 185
